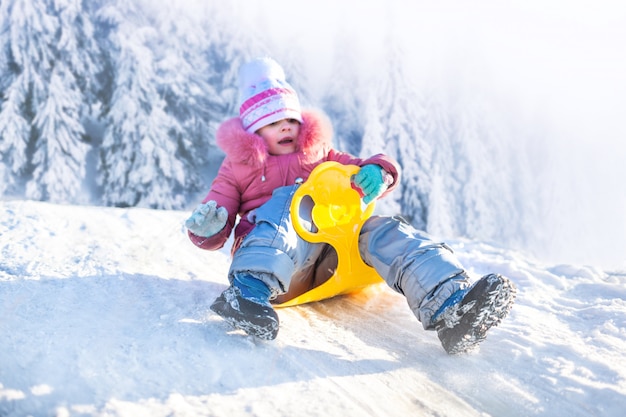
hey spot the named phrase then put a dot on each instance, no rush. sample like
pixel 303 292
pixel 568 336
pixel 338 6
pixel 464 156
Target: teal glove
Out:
pixel 371 180
pixel 207 220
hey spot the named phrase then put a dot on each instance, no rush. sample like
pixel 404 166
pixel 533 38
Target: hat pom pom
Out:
pixel 259 70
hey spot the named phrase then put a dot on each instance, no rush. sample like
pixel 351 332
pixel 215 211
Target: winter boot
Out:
pixel 464 318
pixel 245 305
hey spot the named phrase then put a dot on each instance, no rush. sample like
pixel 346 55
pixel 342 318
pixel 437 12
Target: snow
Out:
pixel 104 312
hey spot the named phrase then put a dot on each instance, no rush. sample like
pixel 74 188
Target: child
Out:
pixel 270 148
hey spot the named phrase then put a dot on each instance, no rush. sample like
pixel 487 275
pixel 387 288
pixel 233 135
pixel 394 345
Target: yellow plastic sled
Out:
pixel 338 214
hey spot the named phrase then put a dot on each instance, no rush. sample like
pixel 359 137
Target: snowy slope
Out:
pixel 104 312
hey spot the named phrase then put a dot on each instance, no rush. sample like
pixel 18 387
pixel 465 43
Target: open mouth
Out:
pixel 286 141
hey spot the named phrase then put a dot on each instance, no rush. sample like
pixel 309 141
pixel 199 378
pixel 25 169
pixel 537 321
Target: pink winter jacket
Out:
pixel 249 174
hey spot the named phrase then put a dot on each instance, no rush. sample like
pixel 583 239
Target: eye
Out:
pixel 293 121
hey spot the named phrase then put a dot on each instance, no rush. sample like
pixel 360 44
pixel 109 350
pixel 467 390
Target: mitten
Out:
pixel 372 180
pixel 207 220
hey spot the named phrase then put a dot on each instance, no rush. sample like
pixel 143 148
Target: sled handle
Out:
pixel 338 213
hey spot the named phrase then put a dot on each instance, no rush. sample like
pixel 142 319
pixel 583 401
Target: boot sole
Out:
pixel 254 319
pixel 465 326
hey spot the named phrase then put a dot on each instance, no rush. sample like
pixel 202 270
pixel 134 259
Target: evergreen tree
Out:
pixel 60 150
pixel 393 127
pixel 59 158
pixel 27 34
pixel 485 199
pixel 183 81
pixel 139 163
pixel 47 81
pixel 14 135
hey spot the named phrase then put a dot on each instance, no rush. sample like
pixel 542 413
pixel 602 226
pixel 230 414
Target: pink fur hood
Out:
pixel 250 149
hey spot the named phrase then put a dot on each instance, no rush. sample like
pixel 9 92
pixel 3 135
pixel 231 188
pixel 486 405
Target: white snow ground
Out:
pixel 104 312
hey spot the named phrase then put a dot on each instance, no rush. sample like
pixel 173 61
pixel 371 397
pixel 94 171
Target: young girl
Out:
pixel 271 148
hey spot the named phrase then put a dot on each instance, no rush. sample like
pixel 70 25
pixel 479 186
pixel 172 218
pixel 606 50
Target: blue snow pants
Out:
pixel 424 271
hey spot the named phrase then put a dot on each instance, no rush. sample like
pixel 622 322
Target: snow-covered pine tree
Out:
pixel 60 150
pixel 184 81
pixel 139 164
pixel 27 36
pixel 487 177
pixel 394 113
pixel 59 158
pixel 47 77
pixel 14 135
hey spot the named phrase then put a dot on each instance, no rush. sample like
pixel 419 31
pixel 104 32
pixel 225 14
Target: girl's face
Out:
pixel 281 136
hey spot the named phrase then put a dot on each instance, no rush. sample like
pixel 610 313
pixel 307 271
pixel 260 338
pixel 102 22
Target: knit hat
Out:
pixel 264 95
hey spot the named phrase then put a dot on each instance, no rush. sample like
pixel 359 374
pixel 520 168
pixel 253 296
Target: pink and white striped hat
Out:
pixel 265 96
